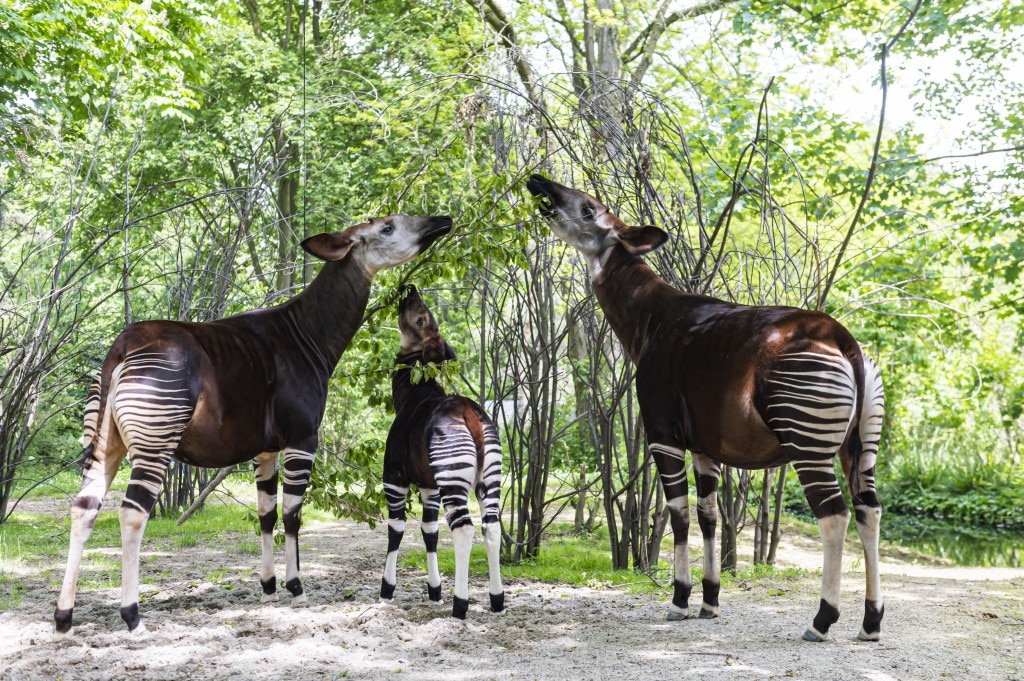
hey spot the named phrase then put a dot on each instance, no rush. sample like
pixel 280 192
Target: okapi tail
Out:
pixel 864 446
pixel 91 420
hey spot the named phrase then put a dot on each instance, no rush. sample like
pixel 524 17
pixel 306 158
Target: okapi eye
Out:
pixel 387 229
pixel 419 321
pixel 587 212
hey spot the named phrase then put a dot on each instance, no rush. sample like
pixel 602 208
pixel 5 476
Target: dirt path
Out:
pixel 940 623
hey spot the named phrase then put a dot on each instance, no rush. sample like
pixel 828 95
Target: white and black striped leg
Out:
pixel 488 493
pixel 818 479
pixel 671 463
pixel 148 472
pixel 810 405
pixel 396 496
pixel 706 474
pixel 453 458
pixel 462 540
pixel 298 467
pixel 266 507
pixel 460 523
pixel 429 528
pixel 866 505
pixel 101 464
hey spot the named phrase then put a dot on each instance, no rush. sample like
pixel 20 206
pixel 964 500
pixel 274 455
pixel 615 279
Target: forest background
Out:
pixel 164 159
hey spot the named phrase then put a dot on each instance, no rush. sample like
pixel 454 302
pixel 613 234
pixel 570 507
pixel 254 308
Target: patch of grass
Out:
pixel 11 591
pixel 576 561
pixel 571 559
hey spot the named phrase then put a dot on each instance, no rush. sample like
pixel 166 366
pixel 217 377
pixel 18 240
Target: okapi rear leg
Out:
pixel 488 494
pixel 818 479
pixel 101 467
pixel 461 525
pixel 868 528
pixel 396 496
pixel 298 467
pixel 671 465
pixel 429 528
pixel 706 474
pixel 266 507
pixel 148 472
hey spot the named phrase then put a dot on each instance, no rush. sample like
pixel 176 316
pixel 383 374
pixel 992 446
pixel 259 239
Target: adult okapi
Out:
pixel 214 394
pixel 446 445
pixel 750 387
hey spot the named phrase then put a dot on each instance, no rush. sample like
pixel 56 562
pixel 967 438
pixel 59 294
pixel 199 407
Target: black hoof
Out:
pixel 62 619
pixel 460 606
pixel 130 615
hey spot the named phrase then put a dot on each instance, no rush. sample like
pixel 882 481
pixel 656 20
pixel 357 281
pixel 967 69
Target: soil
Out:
pixel 941 622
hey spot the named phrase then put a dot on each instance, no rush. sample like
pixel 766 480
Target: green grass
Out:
pixel 585 561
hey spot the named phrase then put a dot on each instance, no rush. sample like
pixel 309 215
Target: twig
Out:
pixel 219 478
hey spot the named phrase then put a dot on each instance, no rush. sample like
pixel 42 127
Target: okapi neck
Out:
pixel 635 300
pixel 330 310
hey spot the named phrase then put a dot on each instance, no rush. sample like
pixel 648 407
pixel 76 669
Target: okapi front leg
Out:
pixel 671 464
pixel 266 507
pixel 429 528
pixel 298 467
pixel 395 496
pixel 706 474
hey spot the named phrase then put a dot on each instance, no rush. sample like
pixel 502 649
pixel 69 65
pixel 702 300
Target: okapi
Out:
pixel 750 387
pixel 246 387
pixel 445 445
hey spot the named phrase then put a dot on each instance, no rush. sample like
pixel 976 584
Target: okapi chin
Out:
pixel 446 445
pixel 251 387
pixel 745 386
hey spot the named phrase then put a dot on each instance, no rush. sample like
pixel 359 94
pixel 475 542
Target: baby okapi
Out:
pixel 445 445
pixel 242 388
pixel 750 387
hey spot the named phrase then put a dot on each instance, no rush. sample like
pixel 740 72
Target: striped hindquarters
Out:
pixel 454 460
pixel 152 402
pixel 810 401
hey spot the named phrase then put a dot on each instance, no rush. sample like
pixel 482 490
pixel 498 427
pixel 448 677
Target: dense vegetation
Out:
pixel 163 160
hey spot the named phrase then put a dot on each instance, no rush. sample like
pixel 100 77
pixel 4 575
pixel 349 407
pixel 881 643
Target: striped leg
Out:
pixel 671 463
pixel 396 496
pixel 706 474
pixel 431 499
pixel 148 472
pixel 866 506
pixel 298 467
pixel 488 493
pixel 453 458
pixel 104 452
pixel 266 507
pixel 152 401
pixel 810 407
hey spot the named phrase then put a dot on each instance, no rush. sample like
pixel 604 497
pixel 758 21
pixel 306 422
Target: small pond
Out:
pixel 965 545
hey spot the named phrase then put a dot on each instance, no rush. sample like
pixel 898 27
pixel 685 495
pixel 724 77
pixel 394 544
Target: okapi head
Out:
pixel 381 242
pixel 587 225
pixel 420 334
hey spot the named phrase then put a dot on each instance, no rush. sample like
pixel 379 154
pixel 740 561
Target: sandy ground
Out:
pixel 941 622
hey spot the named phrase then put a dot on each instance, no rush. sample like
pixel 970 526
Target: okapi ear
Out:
pixel 329 246
pixel 640 240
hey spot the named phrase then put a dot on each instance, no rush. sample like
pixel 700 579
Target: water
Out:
pixel 964 545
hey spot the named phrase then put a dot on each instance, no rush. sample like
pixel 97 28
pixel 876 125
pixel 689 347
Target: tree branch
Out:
pixel 874 161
